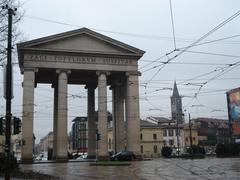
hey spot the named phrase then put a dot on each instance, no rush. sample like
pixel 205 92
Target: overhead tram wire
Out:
pixel 213 78
pixel 195 42
pixel 207 34
pixel 173 28
pixel 154 37
pixel 204 64
pixel 214 29
pixel 213 54
pixel 213 41
pixel 223 71
pixel 208 73
pixel 199 52
pixel 52 21
pixel 174 41
pixel 156 60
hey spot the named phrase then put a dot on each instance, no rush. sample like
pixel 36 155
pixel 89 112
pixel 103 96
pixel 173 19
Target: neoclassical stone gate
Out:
pixel 82 57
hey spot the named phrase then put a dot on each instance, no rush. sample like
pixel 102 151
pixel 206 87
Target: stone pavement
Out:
pixel 166 169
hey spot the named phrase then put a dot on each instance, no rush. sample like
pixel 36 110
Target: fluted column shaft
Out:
pixel 55 119
pixel 132 113
pixel 102 114
pixel 118 119
pixel 61 126
pixel 91 122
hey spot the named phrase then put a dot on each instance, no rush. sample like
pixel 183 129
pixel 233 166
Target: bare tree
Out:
pixel 4 26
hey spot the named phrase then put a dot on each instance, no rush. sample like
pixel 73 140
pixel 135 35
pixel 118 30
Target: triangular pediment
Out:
pixel 81 40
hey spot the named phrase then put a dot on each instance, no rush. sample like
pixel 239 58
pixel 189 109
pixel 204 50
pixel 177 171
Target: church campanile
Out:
pixel 176 105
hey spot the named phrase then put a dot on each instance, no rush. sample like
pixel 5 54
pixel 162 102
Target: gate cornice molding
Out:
pixel 136 73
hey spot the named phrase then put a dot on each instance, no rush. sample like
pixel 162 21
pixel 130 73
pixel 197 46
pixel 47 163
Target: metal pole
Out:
pixel 177 138
pixel 96 149
pixel 8 95
pixel 190 133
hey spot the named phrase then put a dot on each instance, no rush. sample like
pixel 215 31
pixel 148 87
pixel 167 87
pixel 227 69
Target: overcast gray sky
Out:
pixel 146 25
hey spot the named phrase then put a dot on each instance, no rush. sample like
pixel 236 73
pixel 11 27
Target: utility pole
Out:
pixel 9 94
pixel 190 133
pixel 178 145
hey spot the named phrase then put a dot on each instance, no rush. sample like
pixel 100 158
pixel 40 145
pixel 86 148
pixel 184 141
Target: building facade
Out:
pixel 151 139
pixel 191 134
pixel 79 135
pixel 45 146
pixel 211 131
pixel 173 136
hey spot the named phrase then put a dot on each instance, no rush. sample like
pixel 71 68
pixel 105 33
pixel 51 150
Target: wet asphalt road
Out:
pixel 156 169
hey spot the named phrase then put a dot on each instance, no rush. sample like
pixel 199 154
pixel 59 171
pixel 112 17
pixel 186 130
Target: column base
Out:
pixel 91 157
pixel 61 159
pixel 103 158
pixel 26 161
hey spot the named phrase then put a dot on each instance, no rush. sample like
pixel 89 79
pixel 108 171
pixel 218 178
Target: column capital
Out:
pixel 134 73
pixel 58 71
pixel 29 69
pixel 107 73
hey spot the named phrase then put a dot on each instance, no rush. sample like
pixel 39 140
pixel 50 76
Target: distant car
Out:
pixel 44 159
pixel 38 158
pixel 80 158
pixel 123 156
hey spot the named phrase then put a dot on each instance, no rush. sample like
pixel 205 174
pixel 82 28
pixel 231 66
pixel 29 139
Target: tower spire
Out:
pixel 175 90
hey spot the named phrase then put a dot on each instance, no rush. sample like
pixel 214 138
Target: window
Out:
pixel 154 136
pixel 110 144
pixel 171 142
pixel 165 132
pixel 186 139
pixel 141 136
pixel 170 132
pixel 155 148
pixel 178 101
pixel 193 139
pixel 164 142
pixel 141 148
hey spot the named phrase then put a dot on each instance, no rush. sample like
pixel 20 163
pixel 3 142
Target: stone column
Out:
pixel 28 115
pixel 132 113
pixel 55 118
pixel 118 118
pixel 102 115
pixel 61 126
pixel 91 122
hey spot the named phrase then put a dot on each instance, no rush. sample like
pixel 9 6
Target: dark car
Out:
pixel 124 156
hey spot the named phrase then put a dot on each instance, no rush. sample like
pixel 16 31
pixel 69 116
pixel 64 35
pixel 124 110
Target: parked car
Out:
pixel 123 156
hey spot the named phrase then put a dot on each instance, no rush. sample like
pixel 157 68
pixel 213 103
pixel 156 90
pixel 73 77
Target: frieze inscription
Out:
pixel 76 59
